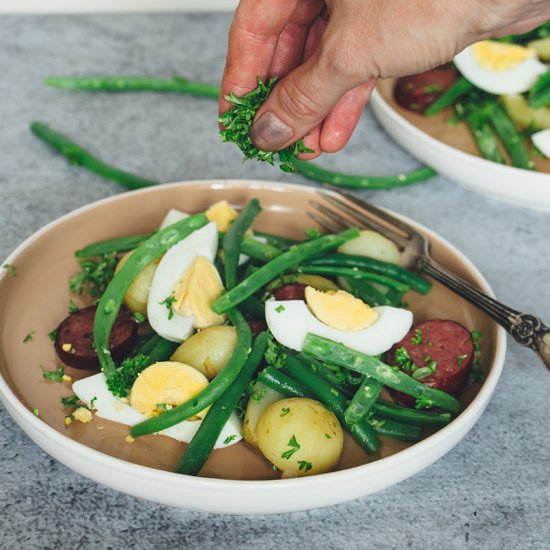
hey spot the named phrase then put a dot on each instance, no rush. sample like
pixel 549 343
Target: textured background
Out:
pixel 491 491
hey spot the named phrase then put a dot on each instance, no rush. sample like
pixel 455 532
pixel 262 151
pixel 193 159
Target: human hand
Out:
pixel 331 52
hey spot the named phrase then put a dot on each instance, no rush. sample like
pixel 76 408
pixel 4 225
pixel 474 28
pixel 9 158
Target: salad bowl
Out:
pixel 34 296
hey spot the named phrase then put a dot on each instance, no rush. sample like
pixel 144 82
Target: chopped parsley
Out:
pixel 10 269
pixel 328 436
pixel 169 302
pixel 73 308
pixel 477 372
pixel 29 337
pixel 120 383
pixel 92 401
pixel 72 402
pixel 423 402
pixel 138 317
pixel 460 358
pixel 285 411
pixel 304 465
pixel 53 375
pixel 256 394
pixel 433 89
pixel 273 355
pixel 313 234
pixel 229 439
pixel 280 308
pixel 163 407
pixel 418 337
pixel 294 446
pixel 53 334
pixel 94 275
pixel 404 360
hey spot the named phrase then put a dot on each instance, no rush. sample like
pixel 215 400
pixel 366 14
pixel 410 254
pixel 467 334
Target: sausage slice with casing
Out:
pixel 74 339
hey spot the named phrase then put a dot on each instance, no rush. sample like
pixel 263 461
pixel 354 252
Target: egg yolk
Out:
pixel 164 385
pixel 222 214
pixel 340 310
pixel 195 292
pixel 498 56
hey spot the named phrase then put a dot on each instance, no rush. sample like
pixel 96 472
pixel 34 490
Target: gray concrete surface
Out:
pixel 491 491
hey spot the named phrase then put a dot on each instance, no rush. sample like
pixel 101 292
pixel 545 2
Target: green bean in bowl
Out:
pixel 217 335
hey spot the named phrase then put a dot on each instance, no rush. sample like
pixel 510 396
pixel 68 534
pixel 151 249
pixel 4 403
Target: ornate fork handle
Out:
pixel 526 329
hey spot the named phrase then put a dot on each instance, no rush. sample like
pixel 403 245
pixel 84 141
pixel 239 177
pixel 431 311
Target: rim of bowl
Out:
pixel 465 418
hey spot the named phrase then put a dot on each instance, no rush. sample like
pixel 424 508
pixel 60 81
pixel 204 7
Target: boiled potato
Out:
pixel 542 47
pixel 138 293
pixel 523 115
pixel 208 350
pixel 261 398
pixel 372 244
pixel 300 437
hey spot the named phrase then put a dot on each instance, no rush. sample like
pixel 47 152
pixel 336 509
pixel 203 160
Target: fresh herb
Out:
pixel 73 308
pixel 285 411
pixel 273 355
pixel 433 89
pixel 375 423
pixel 238 120
pixel 304 465
pixel 328 436
pixel 313 234
pixel 163 407
pixel 138 317
pixel 423 402
pixel 72 402
pixel 280 308
pixel 53 334
pixel 460 358
pixel 35 412
pixel 294 446
pixel 257 395
pixel 29 337
pixel 168 302
pixel 92 401
pixel 53 375
pixel 477 372
pixel 120 383
pixel 11 269
pixel 404 360
pixel 94 276
pixel 229 439
pixel 418 337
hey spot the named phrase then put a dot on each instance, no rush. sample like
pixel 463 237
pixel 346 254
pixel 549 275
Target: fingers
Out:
pixel 340 123
pixel 253 40
pixel 290 46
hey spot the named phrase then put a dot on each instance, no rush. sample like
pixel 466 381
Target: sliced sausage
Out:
pixel 74 340
pixel 292 291
pixel 448 344
pixel 417 92
pixel 257 326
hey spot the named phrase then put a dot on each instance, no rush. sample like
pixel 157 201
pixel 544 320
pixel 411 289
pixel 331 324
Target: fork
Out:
pixel 347 210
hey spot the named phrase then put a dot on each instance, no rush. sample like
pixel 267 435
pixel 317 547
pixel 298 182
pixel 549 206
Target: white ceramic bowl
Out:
pixel 223 495
pixel 506 183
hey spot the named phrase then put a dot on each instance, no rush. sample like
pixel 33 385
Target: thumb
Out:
pixel 298 103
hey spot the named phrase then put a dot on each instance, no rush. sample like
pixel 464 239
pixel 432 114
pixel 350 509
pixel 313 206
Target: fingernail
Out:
pixel 270 133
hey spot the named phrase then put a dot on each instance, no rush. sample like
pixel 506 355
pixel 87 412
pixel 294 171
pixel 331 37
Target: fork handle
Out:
pixel 526 329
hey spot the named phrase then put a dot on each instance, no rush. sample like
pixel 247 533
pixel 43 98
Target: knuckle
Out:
pixel 298 103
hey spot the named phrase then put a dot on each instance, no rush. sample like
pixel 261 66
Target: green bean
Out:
pixel 484 137
pixel 333 400
pixel 277 240
pixel 233 239
pixel 276 380
pixel 332 352
pixel 316 173
pixel 76 154
pixel 263 252
pixel 111 300
pixel 293 256
pixel 162 351
pixel 411 416
pixel 395 430
pixel 352 273
pixel 203 441
pixel 417 283
pixel 510 137
pixel 213 391
pixel 368 293
pixel 133 84
pixel 149 344
pixel 254 308
pixel 449 96
pixel 117 245
pixel 394 297
pixel 363 400
pixel 539 94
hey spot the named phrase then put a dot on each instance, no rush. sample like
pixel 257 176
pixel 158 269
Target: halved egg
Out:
pixel 500 68
pixel 542 142
pixel 94 388
pixel 291 321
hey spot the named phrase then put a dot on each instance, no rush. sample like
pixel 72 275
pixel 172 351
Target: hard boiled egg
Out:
pixel 291 321
pixel 500 68
pixel 542 142
pixel 165 320
pixel 94 388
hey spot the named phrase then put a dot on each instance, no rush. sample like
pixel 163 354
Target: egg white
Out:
pixel 202 242
pixel 516 80
pixel 290 322
pixel 542 141
pixel 109 407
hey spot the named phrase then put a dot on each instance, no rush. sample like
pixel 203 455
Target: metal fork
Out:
pixel 347 210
